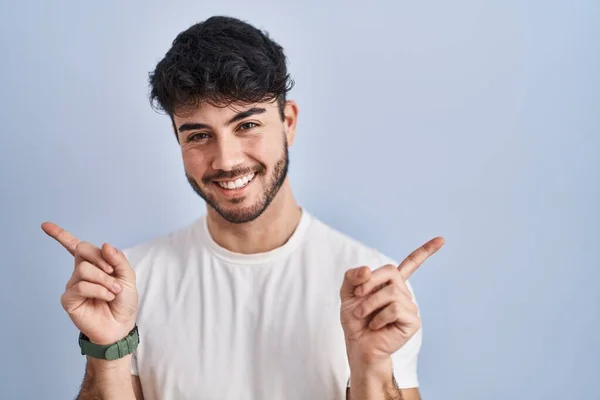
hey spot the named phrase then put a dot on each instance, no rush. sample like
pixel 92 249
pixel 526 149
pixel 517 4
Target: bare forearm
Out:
pixel 107 380
pixel 373 383
pixel 375 390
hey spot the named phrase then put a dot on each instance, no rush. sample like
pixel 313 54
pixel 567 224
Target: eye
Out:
pixel 247 125
pixel 196 137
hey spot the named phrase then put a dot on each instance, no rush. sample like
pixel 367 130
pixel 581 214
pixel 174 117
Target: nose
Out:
pixel 229 154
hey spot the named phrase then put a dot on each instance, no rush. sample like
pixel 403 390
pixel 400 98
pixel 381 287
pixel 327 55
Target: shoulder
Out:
pixel 171 245
pixel 348 249
pixel 345 251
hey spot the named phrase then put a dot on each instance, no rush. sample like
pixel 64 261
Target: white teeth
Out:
pixel 238 183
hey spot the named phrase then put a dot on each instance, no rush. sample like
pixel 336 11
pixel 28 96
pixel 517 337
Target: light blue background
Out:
pixel 478 121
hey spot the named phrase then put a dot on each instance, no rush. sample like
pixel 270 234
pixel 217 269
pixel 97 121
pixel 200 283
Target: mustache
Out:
pixel 229 175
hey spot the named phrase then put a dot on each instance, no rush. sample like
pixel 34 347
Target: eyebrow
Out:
pixel 189 126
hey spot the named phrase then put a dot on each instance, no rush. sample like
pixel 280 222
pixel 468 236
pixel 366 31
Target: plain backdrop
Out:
pixel 475 120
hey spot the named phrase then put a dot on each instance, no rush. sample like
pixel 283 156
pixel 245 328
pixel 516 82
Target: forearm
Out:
pixel 107 380
pixel 368 384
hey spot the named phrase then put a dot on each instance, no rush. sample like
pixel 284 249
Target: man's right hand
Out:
pixel 101 296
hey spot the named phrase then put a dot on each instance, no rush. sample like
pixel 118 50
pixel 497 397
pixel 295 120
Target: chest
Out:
pixel 243 333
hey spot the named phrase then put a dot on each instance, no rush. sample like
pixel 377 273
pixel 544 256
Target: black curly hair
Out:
pixel 220 61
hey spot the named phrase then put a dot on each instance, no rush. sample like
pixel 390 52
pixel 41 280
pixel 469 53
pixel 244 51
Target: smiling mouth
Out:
pixel 236 183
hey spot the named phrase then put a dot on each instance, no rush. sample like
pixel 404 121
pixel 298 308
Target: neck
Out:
pixel 269 231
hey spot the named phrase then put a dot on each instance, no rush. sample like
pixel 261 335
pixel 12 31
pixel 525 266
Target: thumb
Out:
pixel 117 259
pixel 353 278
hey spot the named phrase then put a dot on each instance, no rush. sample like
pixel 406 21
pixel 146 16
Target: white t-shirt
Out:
pixel 220 325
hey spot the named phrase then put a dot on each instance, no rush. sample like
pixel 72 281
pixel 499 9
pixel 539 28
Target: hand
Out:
pixel 377 311
pixel 101 297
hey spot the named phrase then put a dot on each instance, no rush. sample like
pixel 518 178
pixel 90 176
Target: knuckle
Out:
pixel 72 243
pixel 389 268
pixel 63 299
pixel 364 288
pixel 67 286
pixel 78 288
pixel 365 307
pixel 348 274
pixel 82 288
pixel 78 271
pixel 80 246
pixel 413 307
pixel 82 270
pixel 396 308
pixel 417 323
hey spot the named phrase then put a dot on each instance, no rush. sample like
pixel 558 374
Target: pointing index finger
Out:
pixel 66 239
pixel 418 257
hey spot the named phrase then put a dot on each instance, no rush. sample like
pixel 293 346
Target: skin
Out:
pixel 101 300
pixel 257 142
pixel 220 144
pixel 379 316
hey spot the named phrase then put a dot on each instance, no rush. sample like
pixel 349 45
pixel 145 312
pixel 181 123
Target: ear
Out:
pixel 290 117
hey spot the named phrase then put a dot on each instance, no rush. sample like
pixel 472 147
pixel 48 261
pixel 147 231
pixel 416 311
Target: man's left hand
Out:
pixel 378 313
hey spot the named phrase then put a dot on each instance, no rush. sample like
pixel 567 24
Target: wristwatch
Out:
pixel 114 351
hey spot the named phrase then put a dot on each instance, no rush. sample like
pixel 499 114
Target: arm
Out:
pixel 101 299
pixel 404 394
pixel 378 386
pixel 380 317
pixel 107 380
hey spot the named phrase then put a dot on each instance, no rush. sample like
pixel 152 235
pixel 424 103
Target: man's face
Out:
pixel 236 157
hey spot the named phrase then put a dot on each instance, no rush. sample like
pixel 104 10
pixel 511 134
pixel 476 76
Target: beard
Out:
pixel 246 214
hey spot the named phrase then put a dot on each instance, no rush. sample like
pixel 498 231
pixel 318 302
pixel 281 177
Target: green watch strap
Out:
pixel 114 351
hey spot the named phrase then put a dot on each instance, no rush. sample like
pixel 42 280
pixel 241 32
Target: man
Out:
pixel 244 303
